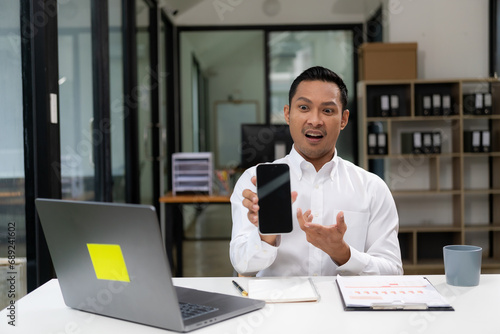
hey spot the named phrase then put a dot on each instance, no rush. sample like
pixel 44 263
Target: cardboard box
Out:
pixel 387 61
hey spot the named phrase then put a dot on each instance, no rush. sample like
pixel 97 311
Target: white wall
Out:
pixel 452 35
pixel 253 12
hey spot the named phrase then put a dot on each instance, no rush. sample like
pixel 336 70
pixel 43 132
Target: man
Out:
pixel 350 224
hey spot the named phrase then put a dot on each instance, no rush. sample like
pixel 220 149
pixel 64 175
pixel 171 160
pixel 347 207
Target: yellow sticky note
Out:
pixel 108 262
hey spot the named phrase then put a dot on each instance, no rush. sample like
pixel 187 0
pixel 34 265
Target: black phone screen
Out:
pixel 275 199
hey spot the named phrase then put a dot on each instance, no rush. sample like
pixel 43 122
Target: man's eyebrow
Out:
pixel 326 103
pixel 305 99
pixel 329 103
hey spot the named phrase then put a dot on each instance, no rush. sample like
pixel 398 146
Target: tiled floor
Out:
pixel 206 248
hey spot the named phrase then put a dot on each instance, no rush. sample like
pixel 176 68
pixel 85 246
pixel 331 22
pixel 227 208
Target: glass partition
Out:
pixel 292 52
pixel 229 70
pixel 234 65
pixel 76 99
pixel 117 100
pixel 144 72
pixel 12 194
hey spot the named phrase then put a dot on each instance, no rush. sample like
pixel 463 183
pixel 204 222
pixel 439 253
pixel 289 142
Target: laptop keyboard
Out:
pixel 190 311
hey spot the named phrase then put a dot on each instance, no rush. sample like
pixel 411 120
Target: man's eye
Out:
pixel 303 107
pixel 328 111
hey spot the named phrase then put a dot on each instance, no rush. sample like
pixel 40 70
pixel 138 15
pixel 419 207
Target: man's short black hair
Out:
pixel 322 74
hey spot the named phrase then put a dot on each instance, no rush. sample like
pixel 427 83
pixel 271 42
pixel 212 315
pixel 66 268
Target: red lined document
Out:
pixel 391 292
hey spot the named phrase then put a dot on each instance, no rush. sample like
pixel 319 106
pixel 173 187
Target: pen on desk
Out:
pixel 240 289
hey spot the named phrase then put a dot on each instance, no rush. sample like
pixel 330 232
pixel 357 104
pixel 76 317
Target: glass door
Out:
pixel 116 100
pixel 144 102
pixel 76 99
pixel 292 52
pixel 12 177
pixel 148 101
pixel 165 101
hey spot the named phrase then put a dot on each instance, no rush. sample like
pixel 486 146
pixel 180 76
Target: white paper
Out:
pixel 366 291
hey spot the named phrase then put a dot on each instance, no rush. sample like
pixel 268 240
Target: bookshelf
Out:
pixel 447 193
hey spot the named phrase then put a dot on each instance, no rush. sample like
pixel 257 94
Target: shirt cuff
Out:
pixel 262 246
pixel 356 263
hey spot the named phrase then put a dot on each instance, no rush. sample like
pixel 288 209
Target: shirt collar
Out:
pixel 299 163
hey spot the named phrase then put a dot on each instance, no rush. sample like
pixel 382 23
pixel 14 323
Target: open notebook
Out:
pixel 283 289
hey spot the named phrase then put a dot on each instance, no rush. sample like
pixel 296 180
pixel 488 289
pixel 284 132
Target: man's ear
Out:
pixel 286 111
pixel 345 119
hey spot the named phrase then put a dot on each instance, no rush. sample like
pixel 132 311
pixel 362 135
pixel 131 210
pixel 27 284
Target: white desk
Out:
pixel 476 311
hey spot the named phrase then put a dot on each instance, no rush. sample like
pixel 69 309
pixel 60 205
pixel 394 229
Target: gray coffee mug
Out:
pixel 462 264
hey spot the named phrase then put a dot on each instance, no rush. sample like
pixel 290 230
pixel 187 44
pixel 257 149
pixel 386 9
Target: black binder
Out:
pixel 469 102
pixel 411 143
pixel 381 143
pixel 485 141
pixel 384 106
pixel 427 145
pixel 478 110
pixel 487 106
pixel 426 105
pixel 446 105
pixel 436 105
pixel 372 143
pixel 395 111
pixel 436 142
pixel 472 141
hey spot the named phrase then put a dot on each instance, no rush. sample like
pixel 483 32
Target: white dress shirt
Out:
pixel 369 211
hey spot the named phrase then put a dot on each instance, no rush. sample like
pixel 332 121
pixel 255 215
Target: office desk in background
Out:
pixel 476 311
pixel 174 227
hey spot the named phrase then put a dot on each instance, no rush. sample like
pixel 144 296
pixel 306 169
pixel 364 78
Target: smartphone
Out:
pixel 275 199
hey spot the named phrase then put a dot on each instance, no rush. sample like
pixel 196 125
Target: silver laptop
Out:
pixel 110 260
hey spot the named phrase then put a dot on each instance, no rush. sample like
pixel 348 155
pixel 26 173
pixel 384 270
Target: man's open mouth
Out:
pixel 314 135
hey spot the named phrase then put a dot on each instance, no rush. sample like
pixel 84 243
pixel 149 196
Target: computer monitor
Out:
pixel 264 143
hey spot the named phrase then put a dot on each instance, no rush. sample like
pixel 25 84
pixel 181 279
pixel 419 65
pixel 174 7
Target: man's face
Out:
pixel 315 118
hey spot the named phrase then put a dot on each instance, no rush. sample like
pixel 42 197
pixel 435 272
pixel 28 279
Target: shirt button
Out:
pixel 316 186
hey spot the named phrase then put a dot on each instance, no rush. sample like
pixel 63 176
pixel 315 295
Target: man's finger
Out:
pixel 341 225
pixel 304 219
pixel 250 195
pixel 254 180
pixel 251 206
pixel 300 219
pixel 294 196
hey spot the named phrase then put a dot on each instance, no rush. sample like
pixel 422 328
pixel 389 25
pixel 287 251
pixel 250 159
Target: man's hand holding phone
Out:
pixel 274 208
